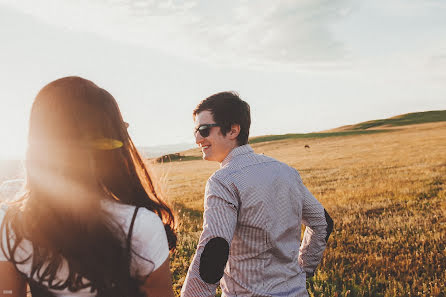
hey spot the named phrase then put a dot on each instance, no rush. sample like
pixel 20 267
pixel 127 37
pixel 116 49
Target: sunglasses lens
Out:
pixel 204 131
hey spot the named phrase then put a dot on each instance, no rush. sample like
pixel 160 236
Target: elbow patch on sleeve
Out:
pixel 329 225
pixel 213 260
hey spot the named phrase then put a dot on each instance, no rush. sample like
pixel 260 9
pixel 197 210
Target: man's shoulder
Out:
pixel 276 164
pixel 221 174
pixel 241 163
pixel 262 159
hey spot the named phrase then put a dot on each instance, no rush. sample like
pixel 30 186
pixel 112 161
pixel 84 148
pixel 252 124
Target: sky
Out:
pixel 302 65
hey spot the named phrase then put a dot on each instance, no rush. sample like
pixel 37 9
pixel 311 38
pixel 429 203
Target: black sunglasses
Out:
pixel 205 129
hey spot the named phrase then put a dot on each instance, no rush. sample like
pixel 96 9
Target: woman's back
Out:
pixel 148 242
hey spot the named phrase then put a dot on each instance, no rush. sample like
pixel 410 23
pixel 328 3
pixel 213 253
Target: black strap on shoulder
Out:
pixel 129 236
pixel 38 290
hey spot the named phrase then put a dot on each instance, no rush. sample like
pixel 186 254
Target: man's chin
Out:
pixel 207 157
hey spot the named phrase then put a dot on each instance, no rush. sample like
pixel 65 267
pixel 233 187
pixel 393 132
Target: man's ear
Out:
pixel 234 132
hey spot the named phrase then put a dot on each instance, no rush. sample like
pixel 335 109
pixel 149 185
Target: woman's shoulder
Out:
pixel 125 210
pixel 146 216
pixel 123 213
pixel 149 239
pixel 9 191
pixel 24 249
pixel 3 209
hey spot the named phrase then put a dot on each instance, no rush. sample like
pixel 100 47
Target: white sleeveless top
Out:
pixel 149 240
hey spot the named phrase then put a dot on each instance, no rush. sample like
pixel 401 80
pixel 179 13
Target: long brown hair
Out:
pixel 79 153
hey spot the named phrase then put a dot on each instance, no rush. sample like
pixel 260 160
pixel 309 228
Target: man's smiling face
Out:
pixel 215 146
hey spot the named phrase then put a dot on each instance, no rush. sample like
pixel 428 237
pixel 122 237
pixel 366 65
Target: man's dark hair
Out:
pixel 227 109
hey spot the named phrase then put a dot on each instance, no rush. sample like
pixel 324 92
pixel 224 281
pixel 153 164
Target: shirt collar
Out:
pixel 237 151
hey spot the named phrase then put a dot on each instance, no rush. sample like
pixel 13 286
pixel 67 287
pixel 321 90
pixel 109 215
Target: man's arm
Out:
pixel 319 225
pixel 220 218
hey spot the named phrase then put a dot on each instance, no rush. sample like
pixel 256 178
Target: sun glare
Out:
pixel 13 150
pixel 13 131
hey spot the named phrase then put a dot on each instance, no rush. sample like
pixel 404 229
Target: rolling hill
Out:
pixel 369 127
pixel 392 124
pixel 400 120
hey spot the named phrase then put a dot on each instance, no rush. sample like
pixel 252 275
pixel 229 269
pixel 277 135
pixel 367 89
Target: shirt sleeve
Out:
pixel 149 243
pixel 219 220
pixel 314 242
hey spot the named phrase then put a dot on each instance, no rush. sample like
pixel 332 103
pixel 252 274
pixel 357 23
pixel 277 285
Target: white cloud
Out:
pixel 247 32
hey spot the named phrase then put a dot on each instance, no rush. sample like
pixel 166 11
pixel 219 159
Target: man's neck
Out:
pixel 234 147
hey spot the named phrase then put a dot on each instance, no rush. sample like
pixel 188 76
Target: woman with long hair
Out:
pixel 90 222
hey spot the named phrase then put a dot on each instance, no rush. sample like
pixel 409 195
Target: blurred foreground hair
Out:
pixel 79 153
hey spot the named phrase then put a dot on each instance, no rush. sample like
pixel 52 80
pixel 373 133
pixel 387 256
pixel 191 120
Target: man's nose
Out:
pixel 198 138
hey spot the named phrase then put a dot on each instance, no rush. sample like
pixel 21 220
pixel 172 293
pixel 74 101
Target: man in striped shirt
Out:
pixel 253 210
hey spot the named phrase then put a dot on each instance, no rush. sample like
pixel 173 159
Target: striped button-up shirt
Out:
pixel 257 204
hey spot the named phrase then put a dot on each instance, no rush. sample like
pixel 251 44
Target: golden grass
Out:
pixel 385 192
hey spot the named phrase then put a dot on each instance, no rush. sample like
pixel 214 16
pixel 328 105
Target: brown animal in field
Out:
pixel 307 146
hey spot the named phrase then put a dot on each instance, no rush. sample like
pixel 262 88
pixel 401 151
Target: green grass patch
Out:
pixel 405 119
pixel 175 158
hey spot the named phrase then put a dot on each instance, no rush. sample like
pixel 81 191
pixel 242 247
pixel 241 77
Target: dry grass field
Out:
pixel 385 192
